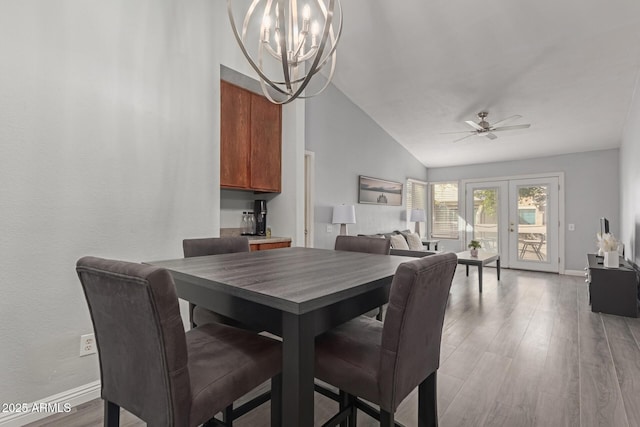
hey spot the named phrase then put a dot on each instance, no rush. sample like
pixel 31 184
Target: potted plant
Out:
pixel 474 245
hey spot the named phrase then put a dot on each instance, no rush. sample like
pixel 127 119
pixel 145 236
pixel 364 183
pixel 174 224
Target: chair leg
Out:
pixel 353 418
pixel 111 414
pixel 276 401
pixel 344 403
pixel 349 400
pixel 386 419
pixel 191 307
pixel 227 416
pixel 428 402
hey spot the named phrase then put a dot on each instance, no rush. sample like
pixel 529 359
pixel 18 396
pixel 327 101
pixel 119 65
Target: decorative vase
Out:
pixel 474 252
pixel 611 259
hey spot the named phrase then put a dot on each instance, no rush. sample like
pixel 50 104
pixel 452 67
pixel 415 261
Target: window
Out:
pixel 444 210
pixel 416 199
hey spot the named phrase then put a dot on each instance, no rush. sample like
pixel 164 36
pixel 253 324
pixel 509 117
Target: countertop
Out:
pixel 256 240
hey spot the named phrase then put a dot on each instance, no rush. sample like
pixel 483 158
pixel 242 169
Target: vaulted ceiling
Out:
pixel 421 68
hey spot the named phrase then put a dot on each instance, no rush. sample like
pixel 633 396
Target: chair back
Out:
pixel 370 245
pixel 140 337
pixel 214 246
pixel 412 328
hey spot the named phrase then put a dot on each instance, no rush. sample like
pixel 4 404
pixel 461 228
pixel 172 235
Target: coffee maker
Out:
pixel 260 212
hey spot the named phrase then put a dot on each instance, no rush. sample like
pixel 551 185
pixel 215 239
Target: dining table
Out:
pixel 295 293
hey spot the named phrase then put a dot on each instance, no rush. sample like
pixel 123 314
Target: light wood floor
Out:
pixel 527 352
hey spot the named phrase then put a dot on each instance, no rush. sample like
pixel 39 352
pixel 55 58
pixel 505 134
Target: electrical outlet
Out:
pixel 572 227
pixel 329 228
pixel 87 344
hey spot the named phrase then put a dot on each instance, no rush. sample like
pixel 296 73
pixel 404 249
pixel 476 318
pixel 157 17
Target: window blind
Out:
pixel 444 210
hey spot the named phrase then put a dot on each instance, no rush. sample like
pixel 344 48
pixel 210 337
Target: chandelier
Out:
pixel 291 44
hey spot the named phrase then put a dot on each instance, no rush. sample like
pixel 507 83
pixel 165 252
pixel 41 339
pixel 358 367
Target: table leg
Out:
pixel 498 267
pixel 480 277
pixel 298 349
pixel 467 265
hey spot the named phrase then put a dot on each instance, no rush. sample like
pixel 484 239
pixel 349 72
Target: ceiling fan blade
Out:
pixel 490 135
pixel 462 131
pixel 474 125
pixel 464 137
pixel 511 127
pixel 516 116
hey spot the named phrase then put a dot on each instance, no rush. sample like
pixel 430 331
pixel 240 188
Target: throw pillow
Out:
pixel 398 242
pixel 405 233
pixel 414 241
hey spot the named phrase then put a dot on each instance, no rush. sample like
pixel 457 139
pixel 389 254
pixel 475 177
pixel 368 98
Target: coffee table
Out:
pixel 481 260
pixel 429 242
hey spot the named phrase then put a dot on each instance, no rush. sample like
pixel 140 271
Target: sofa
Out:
pixel 404 243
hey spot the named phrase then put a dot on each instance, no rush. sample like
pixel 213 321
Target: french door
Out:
pixel 519 218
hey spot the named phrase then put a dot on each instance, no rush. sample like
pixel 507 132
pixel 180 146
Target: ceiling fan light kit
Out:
pixel 486 129
pixel 298 42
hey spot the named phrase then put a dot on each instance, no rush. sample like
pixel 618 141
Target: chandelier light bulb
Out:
pixel 315 30
pixel 266 28
pixel 297 56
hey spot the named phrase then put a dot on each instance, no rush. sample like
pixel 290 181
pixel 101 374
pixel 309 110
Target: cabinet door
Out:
pixel 235 133
pixel 266 131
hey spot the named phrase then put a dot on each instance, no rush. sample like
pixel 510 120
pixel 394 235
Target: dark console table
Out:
pixel 612 290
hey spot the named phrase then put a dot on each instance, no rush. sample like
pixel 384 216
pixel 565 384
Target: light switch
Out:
pixel 572 227
pixel 329 228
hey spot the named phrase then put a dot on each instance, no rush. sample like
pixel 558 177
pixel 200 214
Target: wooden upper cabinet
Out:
pixel 250 140
pixel 235 133
pixel 266 131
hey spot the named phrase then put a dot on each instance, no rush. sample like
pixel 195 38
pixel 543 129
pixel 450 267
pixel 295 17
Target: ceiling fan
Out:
pixel 484 128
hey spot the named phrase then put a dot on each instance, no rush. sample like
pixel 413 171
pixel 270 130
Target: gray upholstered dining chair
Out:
pixel 212 246
pixel 152 368
pixel 370 245
pixel 384 362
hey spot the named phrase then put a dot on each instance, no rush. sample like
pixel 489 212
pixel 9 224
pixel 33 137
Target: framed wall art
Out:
pixel 379 192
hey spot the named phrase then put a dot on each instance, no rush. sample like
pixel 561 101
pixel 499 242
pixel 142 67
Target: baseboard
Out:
pixel 73 398
pixel 574 272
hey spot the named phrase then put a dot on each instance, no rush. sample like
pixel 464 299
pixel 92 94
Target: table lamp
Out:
pixel 343 215
pixel 417 216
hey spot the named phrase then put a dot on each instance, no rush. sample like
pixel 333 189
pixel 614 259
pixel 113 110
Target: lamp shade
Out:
pixel 344 214
pixel 417 215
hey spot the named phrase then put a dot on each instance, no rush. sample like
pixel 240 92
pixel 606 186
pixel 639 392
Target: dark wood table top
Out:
pixel 295 280
pixel 483 258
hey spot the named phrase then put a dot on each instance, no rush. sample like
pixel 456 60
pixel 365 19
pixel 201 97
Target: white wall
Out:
pixel 348 143
pixel 591 183
pixel 630 182
pixel 109 146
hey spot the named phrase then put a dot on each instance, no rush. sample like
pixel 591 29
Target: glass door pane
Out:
pixel 532 221
pixel 486 217
pixel 534 224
